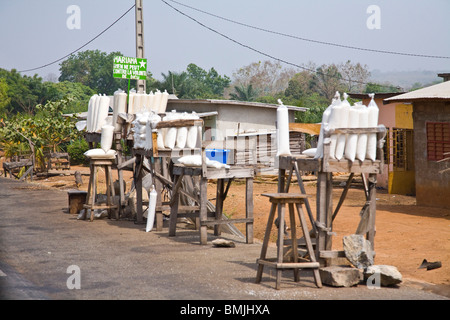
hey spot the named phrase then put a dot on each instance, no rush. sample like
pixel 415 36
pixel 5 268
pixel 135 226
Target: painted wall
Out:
pixel 432 187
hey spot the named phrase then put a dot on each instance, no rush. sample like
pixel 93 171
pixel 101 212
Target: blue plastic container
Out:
pixel 220 155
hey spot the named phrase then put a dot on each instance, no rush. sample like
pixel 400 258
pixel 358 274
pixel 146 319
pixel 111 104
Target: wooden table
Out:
pixel 324 168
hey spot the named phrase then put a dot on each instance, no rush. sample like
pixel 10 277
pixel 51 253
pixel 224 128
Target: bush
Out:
pixel 76 150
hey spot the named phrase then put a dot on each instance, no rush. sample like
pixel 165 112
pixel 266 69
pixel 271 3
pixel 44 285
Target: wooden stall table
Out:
pixel 159 167
pixel 222 175
pixel 324 168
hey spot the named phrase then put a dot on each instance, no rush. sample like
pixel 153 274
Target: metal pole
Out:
pixel 139 13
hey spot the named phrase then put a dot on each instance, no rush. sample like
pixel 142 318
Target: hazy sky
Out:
pixel 34 33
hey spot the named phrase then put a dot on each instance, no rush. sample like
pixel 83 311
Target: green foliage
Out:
pixel 244 93
pixel 4 99
pixel 194 83
pixel 380 88
pixel 76 150
pixel 94 69
pixel 78 93
pixel 48 130
pixel 23 92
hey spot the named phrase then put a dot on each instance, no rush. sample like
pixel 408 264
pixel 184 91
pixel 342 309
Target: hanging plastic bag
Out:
pixel 325 120
pixel 283 130
pixel 151 209
pixel 352 139
pixel 342 123
pixel 372 109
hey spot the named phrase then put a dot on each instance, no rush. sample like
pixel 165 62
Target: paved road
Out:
pixel 45 252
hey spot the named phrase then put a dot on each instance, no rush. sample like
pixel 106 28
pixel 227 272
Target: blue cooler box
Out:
pixel 220 155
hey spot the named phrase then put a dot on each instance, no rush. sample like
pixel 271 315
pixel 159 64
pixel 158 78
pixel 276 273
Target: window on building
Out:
pixel 438 140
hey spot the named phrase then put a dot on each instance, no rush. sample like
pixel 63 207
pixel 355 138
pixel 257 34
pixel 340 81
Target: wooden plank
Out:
pixel 179 123
pixel 216 222
pixel 291 197
pixel 328 254
pixel 203 210
pixel 288 265
pixel 249 209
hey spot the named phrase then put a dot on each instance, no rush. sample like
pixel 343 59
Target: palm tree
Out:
pixel 244 93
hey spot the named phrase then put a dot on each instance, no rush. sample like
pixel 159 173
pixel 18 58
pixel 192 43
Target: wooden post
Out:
pixel 138 186
pixel 203 209
pixel 174 208
pixel 219 205
pixel 372 208
pixel 329 209
pixel 280 242
pixel 321 211
pixel 159 189
pixel 249 209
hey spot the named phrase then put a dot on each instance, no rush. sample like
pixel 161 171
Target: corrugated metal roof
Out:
pixel 235 102
pixel 437 92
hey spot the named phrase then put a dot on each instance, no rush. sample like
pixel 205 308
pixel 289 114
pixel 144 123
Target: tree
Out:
pixel 24 92
pixel 195 83
pixel 4 99
pixel 354 76
pixel 48 130
pixel 94 69
pixel 372 87
pixel 267 77
pixel 327 80
pixel 79 94
pixel 244 93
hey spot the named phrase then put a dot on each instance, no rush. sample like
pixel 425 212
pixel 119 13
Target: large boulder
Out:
pixel 358 251
pixel 340 276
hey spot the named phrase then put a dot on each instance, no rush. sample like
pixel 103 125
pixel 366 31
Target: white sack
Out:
pixel 325 120
pixel 106 138
pixel 283 130
pixel 343 123
pixel 310 152
pixel 352 139
pixel 372 108
pixel 163 102
pixel 100 154
pixel 157 101
pixel 120 105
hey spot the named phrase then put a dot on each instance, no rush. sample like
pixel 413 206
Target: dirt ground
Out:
pixel 406 234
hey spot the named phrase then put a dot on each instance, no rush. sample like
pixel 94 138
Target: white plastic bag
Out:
pixel 100 154
pixel 373 122
pixel 283 130
pixel 334 122
pixel 325 120
pixel 343 123
pixel 192 134
pixel 151 209
pixel 352 139
pixel 106 138
pixel 310 152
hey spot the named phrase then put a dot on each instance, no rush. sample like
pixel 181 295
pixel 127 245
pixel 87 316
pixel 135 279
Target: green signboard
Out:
pixel 130 68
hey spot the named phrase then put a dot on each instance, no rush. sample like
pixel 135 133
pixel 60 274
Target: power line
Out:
pixel 312 40
pixel 260 52
pixel 84 45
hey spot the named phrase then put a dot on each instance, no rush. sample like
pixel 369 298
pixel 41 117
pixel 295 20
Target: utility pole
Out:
pixel 140 40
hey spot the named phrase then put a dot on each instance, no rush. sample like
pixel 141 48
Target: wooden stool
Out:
pixel 91 197
pixel 280 200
